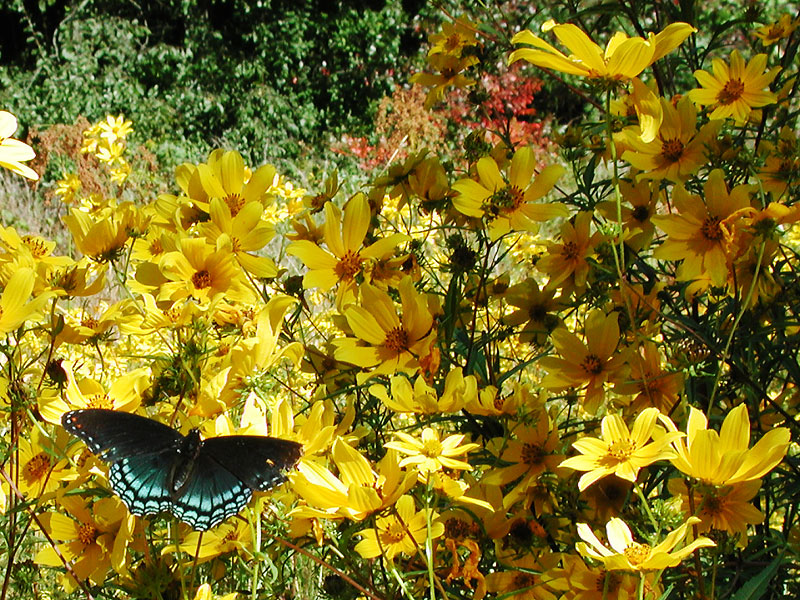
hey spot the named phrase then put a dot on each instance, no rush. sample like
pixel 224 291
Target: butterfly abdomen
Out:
pixel 185 463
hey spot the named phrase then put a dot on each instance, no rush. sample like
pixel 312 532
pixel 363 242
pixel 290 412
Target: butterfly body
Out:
pixel 155 469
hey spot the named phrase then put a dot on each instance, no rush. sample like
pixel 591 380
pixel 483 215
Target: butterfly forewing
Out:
pixel 260 462
pixel 114 434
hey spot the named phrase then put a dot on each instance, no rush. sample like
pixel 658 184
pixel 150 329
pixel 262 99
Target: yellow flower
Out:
pixel 536 310
pixel 103 238
pixel 702 233
pixel 423 399
pixel 449 74
pixel 724 458
pixel 622 59
pixel 226 177
pixel 204 592
pixel 508 205
pixel 389 344
pixel 735 90
pixel 529 452
pixel 114 128
pixel 344 261
pixel 582 582
pixel 39 471
pixel 93 539
pixel 13 152
pixel 652 385
pixel 243 234
pixel 524 578
pixel 430 453
pixel 643 197
pixel 627 555
pixel 678 149
pixel 200 271
pixel 724 508
pixel 67 188
pixel 404 532
pixel 621 451
pixel 14 306
pixel 783 28
pixel 588 365
pixel 453 38
pixel 566 263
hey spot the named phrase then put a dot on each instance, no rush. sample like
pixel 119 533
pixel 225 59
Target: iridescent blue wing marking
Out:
pixel 141 482
pixel 212 495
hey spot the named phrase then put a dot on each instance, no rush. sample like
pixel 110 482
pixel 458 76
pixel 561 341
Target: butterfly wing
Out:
pixel 141 452
pixel 212 494
pixel 141 482
pixel 114 435
pixel 258 461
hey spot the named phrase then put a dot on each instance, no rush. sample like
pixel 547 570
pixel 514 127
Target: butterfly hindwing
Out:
pixel 212 495
pixel 141 482
pixel 115 434
pixel 258 461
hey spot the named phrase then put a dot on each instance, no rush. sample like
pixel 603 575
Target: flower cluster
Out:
pixel 487 359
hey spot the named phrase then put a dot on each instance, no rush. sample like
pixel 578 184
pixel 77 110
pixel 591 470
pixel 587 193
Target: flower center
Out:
pixel 712 506
pixel 99 401
pixel 38 466
pixel 537 313
pixel 432 448
pixel 349 266
pixel 201 279
pixel 613 581
pixel 637 553
pixel 507 200
pixel 523 580
pixel 35 245
pixel 155 247
pixel 532 454
pixel 732 91
pixel 640 213
pixel 711 229
pixel 672 150
pixel 453 42
pixel 592 364
pixel 89 322
pixel 87 533
pixel 397 340
pixel 570 250
pixel 235 203
pixel 621 450
pixel 393 534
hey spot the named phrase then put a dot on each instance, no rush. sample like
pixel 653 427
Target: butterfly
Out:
pixel 155 469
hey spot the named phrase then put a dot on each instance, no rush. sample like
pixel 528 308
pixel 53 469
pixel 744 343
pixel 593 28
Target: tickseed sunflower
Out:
pixel 724 458
pixel 702 233
pixel 628 555
pixel 423 399
pixel 430 453
pixel 243 234
pixel 529 452
pixel 640 203
pixel 103 237
pixel 726 508
pixel 403 532
pixel 200 271
pixel 508 204
pixel 13 152
pixel 453 38
pixel 678 149
pixel 621 451
pixel 774 32
pixel 536 310
pixel 449 72
pixel 524 578
pixel 588 365
pixel 94 538
pixel 581 582
pixel 383 341
pixel 226 177
pixel 734 91
pixel 565 262
pixel 343 263
pixel 622 59
pixel 651 384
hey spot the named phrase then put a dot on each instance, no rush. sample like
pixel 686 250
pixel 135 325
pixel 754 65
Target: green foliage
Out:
pixel 272 77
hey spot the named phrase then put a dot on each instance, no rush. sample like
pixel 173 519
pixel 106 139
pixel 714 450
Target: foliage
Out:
pixel 513 373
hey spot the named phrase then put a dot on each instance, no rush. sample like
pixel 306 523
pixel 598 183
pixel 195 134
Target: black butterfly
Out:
pixel 155 469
